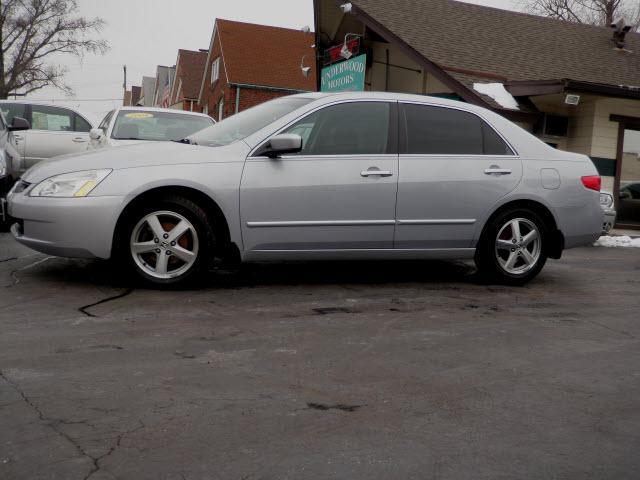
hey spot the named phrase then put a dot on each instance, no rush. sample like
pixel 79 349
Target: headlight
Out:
pixel 606 200
pixel 76 184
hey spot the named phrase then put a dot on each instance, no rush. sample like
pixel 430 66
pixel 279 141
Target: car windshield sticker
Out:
pixel 139 115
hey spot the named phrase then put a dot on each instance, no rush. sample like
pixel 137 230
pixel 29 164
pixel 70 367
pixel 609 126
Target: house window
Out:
pixel 215 70
pixel 221 109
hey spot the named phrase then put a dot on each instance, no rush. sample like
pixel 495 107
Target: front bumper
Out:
pixel 65 227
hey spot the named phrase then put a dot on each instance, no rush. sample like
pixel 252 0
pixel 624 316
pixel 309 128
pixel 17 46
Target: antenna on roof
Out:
pixel 620 30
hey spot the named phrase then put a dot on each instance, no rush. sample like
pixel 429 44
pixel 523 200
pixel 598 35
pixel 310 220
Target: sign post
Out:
pixel 347 76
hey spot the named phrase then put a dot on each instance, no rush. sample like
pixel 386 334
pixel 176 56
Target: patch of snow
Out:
pixel 615 241
pixel 498 93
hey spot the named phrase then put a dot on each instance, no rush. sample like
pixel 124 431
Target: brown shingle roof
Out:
pixel 265 55
pixel 513 45
pixel 189 69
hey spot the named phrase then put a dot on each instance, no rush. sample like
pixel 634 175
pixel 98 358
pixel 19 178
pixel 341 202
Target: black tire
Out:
pixel 205 240
pixel 488 259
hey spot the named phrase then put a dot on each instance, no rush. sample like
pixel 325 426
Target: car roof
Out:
pixel 164 110
pixel 84 115
pixel 393 96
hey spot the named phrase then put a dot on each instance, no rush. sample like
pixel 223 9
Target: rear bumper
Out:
pixel 65 227
pixel 582 225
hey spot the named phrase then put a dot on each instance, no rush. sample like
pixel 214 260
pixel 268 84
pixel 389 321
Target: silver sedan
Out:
pixel 319 176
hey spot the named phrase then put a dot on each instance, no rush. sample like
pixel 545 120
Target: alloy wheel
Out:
pixel 518 246
pixel 164 244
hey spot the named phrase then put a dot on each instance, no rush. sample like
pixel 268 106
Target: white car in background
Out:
pixel 55 130
pixel 129 125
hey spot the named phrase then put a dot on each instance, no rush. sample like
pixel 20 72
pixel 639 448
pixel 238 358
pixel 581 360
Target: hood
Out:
pixel 132 156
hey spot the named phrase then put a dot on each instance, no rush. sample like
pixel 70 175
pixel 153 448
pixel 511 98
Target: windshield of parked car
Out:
pixel 157 126
pixel 243 124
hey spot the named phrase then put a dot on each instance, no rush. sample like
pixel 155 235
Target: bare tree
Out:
pixel 31 32
pixel 594 12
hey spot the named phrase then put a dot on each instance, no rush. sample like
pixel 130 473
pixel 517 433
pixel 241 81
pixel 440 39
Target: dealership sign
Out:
pixel 347 76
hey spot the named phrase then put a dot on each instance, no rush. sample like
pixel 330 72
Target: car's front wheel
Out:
pixel 512 247
pixel 167 241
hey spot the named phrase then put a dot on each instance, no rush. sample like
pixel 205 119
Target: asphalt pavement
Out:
pixel 401 370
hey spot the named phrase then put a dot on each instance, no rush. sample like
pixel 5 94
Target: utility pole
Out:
pixel 124 85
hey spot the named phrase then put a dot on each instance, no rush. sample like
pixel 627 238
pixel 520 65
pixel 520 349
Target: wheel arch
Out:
pixel 556 245
pixel 211 207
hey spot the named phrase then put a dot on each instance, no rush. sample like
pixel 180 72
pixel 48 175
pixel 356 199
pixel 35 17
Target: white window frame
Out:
pixel 215 70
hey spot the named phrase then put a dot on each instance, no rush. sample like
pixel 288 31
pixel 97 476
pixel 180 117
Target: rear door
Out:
pixel 54 131
pixel 453 168
pixel 338 193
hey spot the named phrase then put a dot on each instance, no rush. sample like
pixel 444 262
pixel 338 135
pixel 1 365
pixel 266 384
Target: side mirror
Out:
pixel 95 134
pixel 283 144
pixel 19 124
pixel 624 195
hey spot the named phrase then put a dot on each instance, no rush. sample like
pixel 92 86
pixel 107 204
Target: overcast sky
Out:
pixel 147 33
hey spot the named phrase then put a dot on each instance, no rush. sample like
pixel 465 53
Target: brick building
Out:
pixel 186 86
pixel 248 64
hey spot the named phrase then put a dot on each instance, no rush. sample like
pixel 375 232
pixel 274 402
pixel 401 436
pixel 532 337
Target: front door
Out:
pixel 338 193
pixel 453 168
pixel 54 131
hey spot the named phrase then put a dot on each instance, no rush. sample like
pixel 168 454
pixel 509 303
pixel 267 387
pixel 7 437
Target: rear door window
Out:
pixel 429 130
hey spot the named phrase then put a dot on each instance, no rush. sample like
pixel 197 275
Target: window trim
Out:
pixel 402 129
pixel 392 130
pixel 216 70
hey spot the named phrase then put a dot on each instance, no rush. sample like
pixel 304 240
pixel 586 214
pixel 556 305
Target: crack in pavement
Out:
pixel 53 424
pixel 84 309
pixel 15 280
pixel 8 259
pixel 338 406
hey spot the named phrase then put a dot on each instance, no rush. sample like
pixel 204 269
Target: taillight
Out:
pixel 592 182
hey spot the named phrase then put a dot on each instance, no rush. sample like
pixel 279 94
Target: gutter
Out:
pixel 252 86
pixel 522 88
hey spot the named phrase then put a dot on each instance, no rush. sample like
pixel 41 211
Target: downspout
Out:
pixel 237 98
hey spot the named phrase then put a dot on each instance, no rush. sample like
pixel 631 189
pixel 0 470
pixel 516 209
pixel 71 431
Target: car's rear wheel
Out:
pixel 167 241
pixel 512 247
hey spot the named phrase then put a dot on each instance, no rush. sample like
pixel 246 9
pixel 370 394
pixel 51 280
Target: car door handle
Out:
pixel 497 171
pixel 18 137
pixel 80 140
pixel 375 172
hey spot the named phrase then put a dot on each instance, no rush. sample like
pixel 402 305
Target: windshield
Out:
pixel 157 126
pixel 243 124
